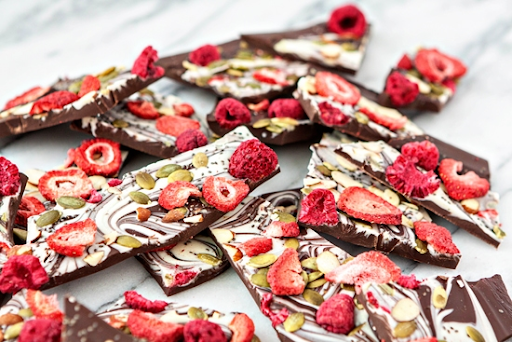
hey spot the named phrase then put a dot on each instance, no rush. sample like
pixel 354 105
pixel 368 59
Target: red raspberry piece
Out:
pixel 29 206
pixel 401 91
pixel 253 160
pixel 114 182
pixel 95 197
pixel 28 96
pixel 408 281
pixel 143 109
pixel 144 66
pixel 450 84
pixel 231 113
pixel 190 139
pixel 256 246
pixel 436 66
pixel 22 272
pixel 278 229
pixel 260 106
pixel 44 306
pixel 176 194
pixel 436 236
pixel 72 239
pixel 69 182
pixel 224 194
pixel 271 76
pixel 362 204
pixel 393 123
pixel 332 85
pixel 286 108
pixel 370 297
pixel 40 330
pixel 319 208
pixel 183 109
pixel 204 55
pixel 145 325
pixel 89 83
pixel 424 154
pixel 70 160
pixel 460 187
pixel 175 125
pixel 276 317
pixel 183 278
pixel 109 162
pixel 199 330
pixel 347 21
pixel 284 276
pixel 336 314
pixel 56 100
pixel 9 178
pixel 404 63
pixel 138 302
pixel 489 214
pixel 409 181
pixel 242 327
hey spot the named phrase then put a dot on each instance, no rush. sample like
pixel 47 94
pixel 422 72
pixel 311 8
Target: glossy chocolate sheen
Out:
pixel 6 234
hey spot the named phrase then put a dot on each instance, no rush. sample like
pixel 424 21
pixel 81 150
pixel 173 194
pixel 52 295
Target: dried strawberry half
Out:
pixel 319 208
pixel 199 330
pixel 143 109
pixel 28 96
pixel 224 194
pixel 9 178
pixel 175 125
pixel 176 194
pixel 256 246
pixel 135 301
pixel 99 157
pixel 404 63
pixel 332 116
pixel 72 239
pixel 89 83
pixel 144 65
pixel 22 272
pixel 271 76
pixel 204 55
pixel 365 205
pixel 40 330
pixel 460 187
pixel 147 326
pixel 336 314
pixel 29 206
pixel 242 327
pixel 348 21
pixel 400 90
pixel 284 276
pixel 436 236
pixel 408 180
pixel 70 182
pixel 425 154
pixel 286 108
pixel 436 66
pixel 183 109
pixel 190 139
pixel 56 100
pixel 278 229
pixel 394 123
pixel 334 86
pixel 44 306
pixel 231 113
pixel 253 160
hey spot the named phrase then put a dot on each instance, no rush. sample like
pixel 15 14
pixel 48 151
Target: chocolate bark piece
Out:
pixel 232 75
pixel 198 260
pixel 375 157
pixel 249 220
pixel 117 219
pixel 450 308
pixel 8 209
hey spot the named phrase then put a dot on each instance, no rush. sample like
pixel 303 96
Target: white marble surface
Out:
pixel 41 40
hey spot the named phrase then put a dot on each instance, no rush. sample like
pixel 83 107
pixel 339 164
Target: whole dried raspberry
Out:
pixel 404 63
pixel 253 160
pixel 401 91
pixel 144 65
pixel 436 236
pixel 408 180
pixel 332 116
pixel 348 21
pixel 425 154
pixel 319 208
pixel 135 301
pixel 56 100
pixel 276 317
pixel 22 272
pixel 231 113
pixel 9 178
pixel 200 330
pixel 408 281
pixel 190 139
pixel 204 55
pixel 40 330
pixel 286 108
pixel 336 314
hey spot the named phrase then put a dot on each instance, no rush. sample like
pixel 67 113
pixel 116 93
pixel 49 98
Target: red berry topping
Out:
pixel 29 206
pixel 450 84
pixel 392 122
pixel 99 157
pixel 114 182
pixel 190 139
pixel 332 85
pixel 176 194
pixel 56 100
pixel 436 66
pixel 256 246
pixel 370 297
pixel 260 106
pixel 365 205
pixel 319 208
pixel 22 272
pixel 276 317
pixel 183 109
pixel 224 194
pixel 70 182
pixel 460 187
pixel 149 327
pixel 44 306
pixel 89 83
pixel 408 281
pixel 271 76
pixel 95 197
pixel 70 160
pixel 401 91
pixel 424 154
pixel 404 63
pixel 253 160
pixel 199 330
pixel 175 125
pixel 284 276
pixel 28 96
pixel 348 21
pixel 436 236
pixel 242 327
pixel 138 302
pixel 144 66
pixel 278 229
pixel 143 109
pixel 336 314
pixel 286 108
pixel 9 178
pixel 183 278
pixel 72 239
pixel 204 55
pixel 231 113
pixel 409 181
pixel 41 330
pixel 332 116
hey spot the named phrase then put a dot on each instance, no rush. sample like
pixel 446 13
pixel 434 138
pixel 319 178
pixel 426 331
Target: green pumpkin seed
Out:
pixel 20 233
pixel 313 297
pixel 255 339
pixel 196 313
pixel 330 166
pixel 325 171
pixel 304 276
pixel 244 54
pixel 140 197
pixel 70 202
pixel 144 180
pixel 128 241
pixel 107 72
pixel 263 271
pixel 262 260
pixel 253 85
pixel 202 81
pixel 260 280
pixel 209 259
pixel 347 46
pixel 294 322
pixel 274 129
pixel 404 329
pixel 500 234
pixel 200 160
pixel 180 175
pixel 421 246
pixel 291 243
pixel 75 86
pixel 310 263
pixel 387 289
pixel 50 217
pixel 474 334
pixel 361 118
pixel 314 276
pixel 261 123
pixel 147 91
pixel 175 215
pixel 166 170
pixel 356 330
pixel 235 72
pixel 118 123
pixel 285 217
pixel 26 313
pixel 436 89
pixel 415 73
pixel 217 64
pixel 316 283
pixel 13 331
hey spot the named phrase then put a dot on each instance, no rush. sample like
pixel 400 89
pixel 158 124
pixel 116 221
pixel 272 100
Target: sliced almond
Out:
pixel 423 86
pixel 471 205
pixel 34 175
pixel 373 146
pixel 233 252
pixel 345 163
pixel 324 184
pixel 390 196
pixel 98 182
pixel 311 181
pixel 194 219
pixel 376 191
pixel 110 238
pixel 336 194
pixel 310 85
pixel 374 107
pixel 94 258
pixel 345 180
pixel 405 310
pixel 115 191
pixel 223 235
pixel 407 222
pixel 327 261
pixel 331 51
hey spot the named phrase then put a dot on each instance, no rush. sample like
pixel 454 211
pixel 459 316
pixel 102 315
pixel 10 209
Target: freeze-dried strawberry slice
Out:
pixel 404 63
pixel 278 229
pixel 40 330
pixel 253 160
pixel 149 327
pixel 365 205
pixel 460 187
pixel 336 314
pixel 70 182
pixel 401 91
pixel 256 246
pixel 408 281
pixel 200 330
pixel 28 96
pixel 276 317
pixel 144 65
pixel 436 66
pixel 22 272
pixel 408 180
pixel 99 157
pixel 72 239
pixel 271 76
pixel 449 83
pixel 56 100
pixel 424 154
pixel 242 327
pixel 260 106
pixel 175 125
pixel 393 123
pixel 348 21
pixel 331 85
pixel 319 208
pixel 29 206
pixel 70 160
pixel 176 194
pixel 224 194
pixel 284 276
pixel 190 139
pixel 231 113
pixel 143 109
pixel 9 177
pixel 135 301
pixel 183 109
pixel 44 306
pixel 286 108
pixel 436 236
pixel 90 83
pixel 204 55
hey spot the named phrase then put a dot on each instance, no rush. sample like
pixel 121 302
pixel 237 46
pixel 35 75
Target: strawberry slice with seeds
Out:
pixel 89 83
pixel 176 194
pixel 332 85
pixel 183 109
pixel 436 236
pixel 437 66
pixel 143 109
pixel 392 122
pixel 242 327
pixel 56 100
pixel 362 204
pixel 271 76
pixel 29 206
pixel 256 246
pixel 224 194
pixel 98 157
pixel 284 276
pixel 175 125
pixel 460 187
pixel 44 306
pixel 72 239
pixel 28 96
pixel 153 329
pixel 70 182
